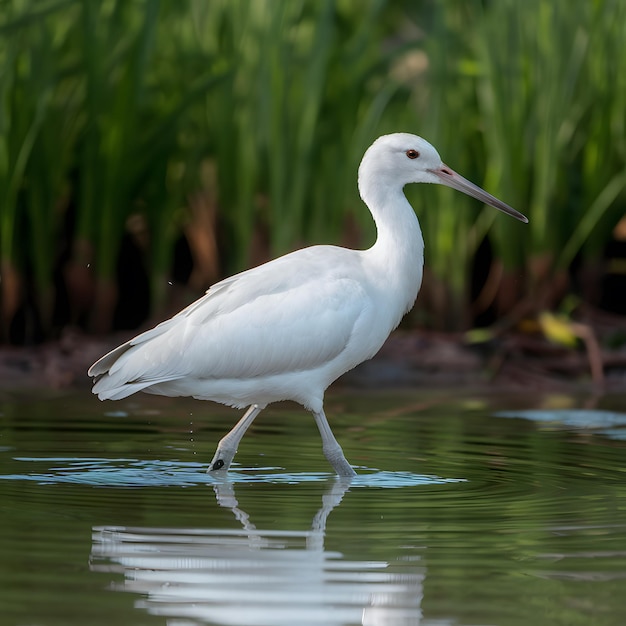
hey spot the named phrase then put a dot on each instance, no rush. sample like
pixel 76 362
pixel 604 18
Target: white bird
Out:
pixel 287 329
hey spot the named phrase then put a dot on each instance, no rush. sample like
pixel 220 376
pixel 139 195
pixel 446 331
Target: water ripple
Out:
pixel 125 472
pixel 608 423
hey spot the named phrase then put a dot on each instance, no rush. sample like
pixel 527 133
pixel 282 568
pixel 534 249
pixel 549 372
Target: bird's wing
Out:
pixel 292 314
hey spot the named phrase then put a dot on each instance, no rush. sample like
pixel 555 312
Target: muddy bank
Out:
pixel 409 359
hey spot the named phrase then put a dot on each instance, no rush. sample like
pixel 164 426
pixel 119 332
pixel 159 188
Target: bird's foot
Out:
pixel 222 459
pixel 336 457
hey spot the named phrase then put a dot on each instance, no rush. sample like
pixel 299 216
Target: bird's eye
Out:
pixel 412 154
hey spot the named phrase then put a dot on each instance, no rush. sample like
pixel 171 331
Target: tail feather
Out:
pixel 114 380
pixel 109 360
pixel 104 364
pixel 106 388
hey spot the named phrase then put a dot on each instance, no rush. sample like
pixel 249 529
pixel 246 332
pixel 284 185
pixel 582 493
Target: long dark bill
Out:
pixel 450 178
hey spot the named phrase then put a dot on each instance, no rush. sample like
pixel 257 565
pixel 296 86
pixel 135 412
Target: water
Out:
pixel 466 511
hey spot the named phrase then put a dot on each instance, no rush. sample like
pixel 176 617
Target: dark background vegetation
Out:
pixel 150 147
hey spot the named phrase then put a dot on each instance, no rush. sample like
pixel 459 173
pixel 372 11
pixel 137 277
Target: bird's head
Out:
pixel 402 158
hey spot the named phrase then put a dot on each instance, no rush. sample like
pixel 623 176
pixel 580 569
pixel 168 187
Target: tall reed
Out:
pixel 116 113
pixel 535 92
pixel 34 156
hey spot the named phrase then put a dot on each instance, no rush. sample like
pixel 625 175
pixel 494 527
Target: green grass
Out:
pixel 243 122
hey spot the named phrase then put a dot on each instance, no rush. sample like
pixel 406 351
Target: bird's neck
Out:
pixel 398 253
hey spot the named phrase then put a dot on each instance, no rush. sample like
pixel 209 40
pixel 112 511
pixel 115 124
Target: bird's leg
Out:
pixel 330 446
pixel 227 447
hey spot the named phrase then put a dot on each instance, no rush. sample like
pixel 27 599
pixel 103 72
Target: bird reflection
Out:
pixel 253 577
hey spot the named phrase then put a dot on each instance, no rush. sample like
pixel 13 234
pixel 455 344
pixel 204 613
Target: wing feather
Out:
pixel 292 314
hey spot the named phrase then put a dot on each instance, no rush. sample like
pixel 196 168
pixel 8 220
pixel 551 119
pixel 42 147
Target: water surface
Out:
pixel 492 510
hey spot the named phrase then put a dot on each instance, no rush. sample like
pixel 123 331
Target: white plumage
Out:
pixel 287 329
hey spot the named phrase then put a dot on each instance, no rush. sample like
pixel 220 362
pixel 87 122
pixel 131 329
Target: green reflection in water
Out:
pixel 490 520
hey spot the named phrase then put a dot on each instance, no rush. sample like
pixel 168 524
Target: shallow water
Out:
pixel 492 510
